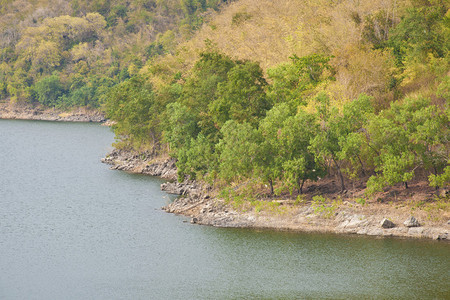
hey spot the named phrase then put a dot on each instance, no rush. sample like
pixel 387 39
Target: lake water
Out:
pixel 70 228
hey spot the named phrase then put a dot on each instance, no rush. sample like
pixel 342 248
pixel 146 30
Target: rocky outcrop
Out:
pixel 215 212
pixel 411 222
pixel 142 163
pixel 440 237
pixel 385 223
pixel 187 187
pixel 35 112
pixel 197 202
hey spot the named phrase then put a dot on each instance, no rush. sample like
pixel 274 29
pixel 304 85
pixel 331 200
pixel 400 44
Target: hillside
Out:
pixel 258 98
pixel 273 97
pixel 69 53
pixel 356 34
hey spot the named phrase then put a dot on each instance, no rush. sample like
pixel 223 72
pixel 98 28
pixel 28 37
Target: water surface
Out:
pixel 70 228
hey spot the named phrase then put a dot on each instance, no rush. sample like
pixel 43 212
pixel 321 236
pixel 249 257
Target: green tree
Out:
pixel 135 109
pixel 291 81
pixel 352 122
pixel 238 150
pixel 410 135
pixel 325 144
pixel 180 126
pixel 421 31
pixel 299 163
pixel 49 90
pixel 196 159
pixel 271 156
pixel 241 96
pixel 201 86
pixel 442 179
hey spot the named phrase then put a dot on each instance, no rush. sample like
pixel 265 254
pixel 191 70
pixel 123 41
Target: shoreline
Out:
pixel 38 113
pixel 197 203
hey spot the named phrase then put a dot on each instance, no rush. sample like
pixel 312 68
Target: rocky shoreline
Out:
pixel 37 112
pixel 197 202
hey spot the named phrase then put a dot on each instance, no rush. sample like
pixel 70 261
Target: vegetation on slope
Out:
pixel 272 92
pixel 356 90
pixel 71 52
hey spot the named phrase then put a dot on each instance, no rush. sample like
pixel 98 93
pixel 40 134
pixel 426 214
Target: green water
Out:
pixel 70 228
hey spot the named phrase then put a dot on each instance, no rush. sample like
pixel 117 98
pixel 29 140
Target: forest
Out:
pixel 274 95
pixel 70 53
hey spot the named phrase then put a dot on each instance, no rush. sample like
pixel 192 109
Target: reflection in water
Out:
pixel 70 228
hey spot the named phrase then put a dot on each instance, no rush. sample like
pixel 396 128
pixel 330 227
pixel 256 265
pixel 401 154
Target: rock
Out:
pixel 411 222
pixel 352 223
pixel 415 231
pixel 194 221
pixel 387 224
pixel 375 232
pixel 442 236
pixel 173 188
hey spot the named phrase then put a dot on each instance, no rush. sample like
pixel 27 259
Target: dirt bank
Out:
pixel 341 215
pixel 37 112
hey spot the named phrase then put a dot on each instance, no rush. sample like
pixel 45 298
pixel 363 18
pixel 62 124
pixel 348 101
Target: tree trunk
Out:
pixel 300 186
pixel 271 186
pixel 406 185
pixel 362 165
pixel 341 177
pixel 435 173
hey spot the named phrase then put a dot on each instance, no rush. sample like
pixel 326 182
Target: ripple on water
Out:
pixel 70 228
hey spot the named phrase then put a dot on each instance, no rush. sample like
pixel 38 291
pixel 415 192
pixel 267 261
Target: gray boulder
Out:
pixel 387 224
pixel 411 222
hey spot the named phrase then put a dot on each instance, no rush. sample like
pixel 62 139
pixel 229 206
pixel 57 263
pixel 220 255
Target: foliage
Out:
pixel 49 90
pixel 197 159
pixel 179 127
pixel 134 107
pixel 279 93
pixel 241 97
pixel 239 150
pixel 290 81
pixel 409 135
pixel 102 41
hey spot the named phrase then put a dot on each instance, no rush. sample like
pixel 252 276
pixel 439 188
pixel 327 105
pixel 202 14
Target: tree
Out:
pixel 238 150
pixel 408 136
pixel 180 126
pixel 299 163
pixel 352 122
pixel 421 31
pixel 135 109
pixel 325 144
pixel 201 87
pixel 49 90
pixel 271 158
pixel 241 96
pixel 196 159
pixel 290 81
pixel 442 179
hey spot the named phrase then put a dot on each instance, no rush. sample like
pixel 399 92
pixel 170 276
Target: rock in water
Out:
pixel 411 222
pixel 440 237
pixel 387 224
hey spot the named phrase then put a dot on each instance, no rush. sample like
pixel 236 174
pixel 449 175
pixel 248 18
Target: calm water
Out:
pixel 70 228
